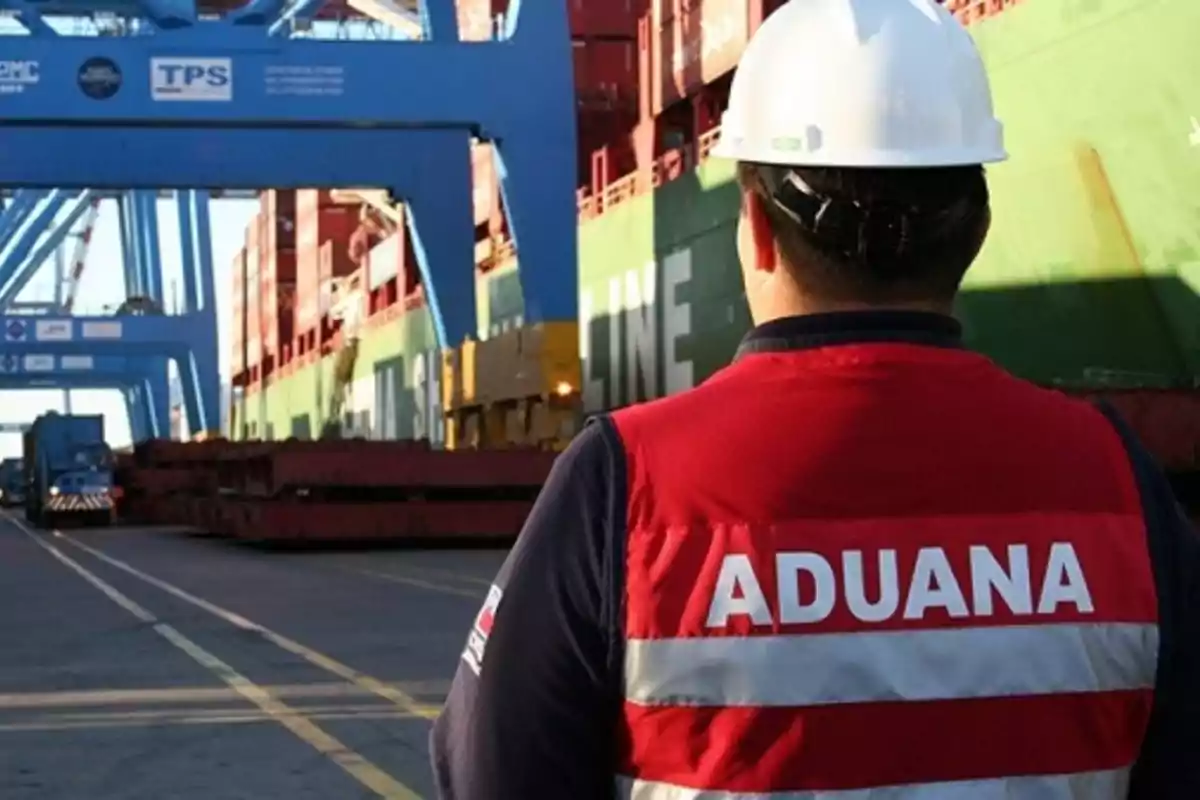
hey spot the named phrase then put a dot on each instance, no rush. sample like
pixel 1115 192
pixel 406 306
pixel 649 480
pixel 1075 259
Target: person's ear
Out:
pixel 756 242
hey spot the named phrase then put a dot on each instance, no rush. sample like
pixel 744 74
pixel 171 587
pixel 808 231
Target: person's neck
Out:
pixel 800 307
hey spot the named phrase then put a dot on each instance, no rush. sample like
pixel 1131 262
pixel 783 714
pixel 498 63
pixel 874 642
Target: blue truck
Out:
pixel 12 482
pixel 68 471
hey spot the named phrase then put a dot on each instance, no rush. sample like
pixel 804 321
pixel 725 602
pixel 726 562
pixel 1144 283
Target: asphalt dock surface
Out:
pixel 149 664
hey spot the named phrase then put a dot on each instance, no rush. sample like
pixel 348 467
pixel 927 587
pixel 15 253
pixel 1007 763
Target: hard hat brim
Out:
pixel 860 159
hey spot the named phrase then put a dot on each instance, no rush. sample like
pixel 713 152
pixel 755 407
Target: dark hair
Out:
pixel 874 235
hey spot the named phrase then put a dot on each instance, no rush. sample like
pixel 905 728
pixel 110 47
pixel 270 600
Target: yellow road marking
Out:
pixel 78 725
pixel 227 716
pixel 358 767
pixel 366 682
pixel 168 714
pixel 194 694
pixel 486 583
pixel 420 584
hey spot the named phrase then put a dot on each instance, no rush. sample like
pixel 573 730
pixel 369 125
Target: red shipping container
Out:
pixel 308 286
pixel 310 201
pixel 278 267
pixel 335 261
pixel 336 223
pixel 273 202
pixel 237 337
pixel 692 46
pixel 606 74
pixel 605 17
pixel 253 332
pixel 266 314
pixel 269 284
pixel 285 314
pixel 254 248
pixel 485 189
pixel 278 315
pixel 253 273
pixel 282 263
pixel 477 18
pixel 278 212
pixel 313 228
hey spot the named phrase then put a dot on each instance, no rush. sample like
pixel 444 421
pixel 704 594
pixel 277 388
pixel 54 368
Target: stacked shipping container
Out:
pixel 299 242
pixel 254 333
pixel 319 220
pixel 605 38
pixel 277 270
pixel 295 264
pixel 478 19
pixel 688 44
pixel 686 50
pixel 237 328
pixel 264 280
pixel 618 47
pixel 604 35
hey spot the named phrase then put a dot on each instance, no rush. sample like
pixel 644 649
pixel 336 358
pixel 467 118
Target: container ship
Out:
pixel 1089 281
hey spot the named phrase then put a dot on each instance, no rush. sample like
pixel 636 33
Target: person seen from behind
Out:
pixel 861 557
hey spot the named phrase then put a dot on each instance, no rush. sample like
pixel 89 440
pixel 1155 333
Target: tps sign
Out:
pixel 191 79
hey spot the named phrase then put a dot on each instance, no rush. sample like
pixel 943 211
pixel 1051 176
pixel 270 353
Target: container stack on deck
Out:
pixel 277 224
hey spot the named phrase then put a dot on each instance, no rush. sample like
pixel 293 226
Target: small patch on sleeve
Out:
pixel 481 630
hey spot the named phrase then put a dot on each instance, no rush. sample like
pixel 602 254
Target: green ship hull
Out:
pixel 1090 278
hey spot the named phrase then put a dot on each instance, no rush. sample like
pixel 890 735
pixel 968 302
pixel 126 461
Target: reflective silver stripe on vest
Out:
pixel 1110 785
pixel 865 667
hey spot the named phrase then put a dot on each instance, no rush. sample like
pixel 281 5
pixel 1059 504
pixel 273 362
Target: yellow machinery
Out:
pixel 517 389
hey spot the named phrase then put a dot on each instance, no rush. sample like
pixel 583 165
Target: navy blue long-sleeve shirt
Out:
pixel 536 716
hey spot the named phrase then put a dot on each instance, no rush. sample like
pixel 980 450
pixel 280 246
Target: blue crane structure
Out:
pixel 176 98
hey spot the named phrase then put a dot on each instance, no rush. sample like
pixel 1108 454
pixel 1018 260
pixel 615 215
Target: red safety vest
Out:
pixel 881 565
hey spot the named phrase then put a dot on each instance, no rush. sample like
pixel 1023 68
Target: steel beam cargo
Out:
pixel 334 491
pixel 390 469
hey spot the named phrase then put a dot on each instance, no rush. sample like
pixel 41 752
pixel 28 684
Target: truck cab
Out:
pixel 92 473
pixel 70 471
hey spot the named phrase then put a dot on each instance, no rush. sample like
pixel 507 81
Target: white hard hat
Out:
pixel 861 83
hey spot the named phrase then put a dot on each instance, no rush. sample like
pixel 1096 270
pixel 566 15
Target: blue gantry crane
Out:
pixel 196 98
pixel 39 225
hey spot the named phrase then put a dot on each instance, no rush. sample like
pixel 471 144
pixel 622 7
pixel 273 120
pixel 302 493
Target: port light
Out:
pixel 563 389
